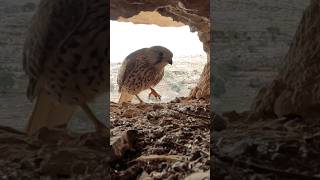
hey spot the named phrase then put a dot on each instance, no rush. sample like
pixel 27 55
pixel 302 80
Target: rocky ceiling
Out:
pixel 193 13
pixel 147 17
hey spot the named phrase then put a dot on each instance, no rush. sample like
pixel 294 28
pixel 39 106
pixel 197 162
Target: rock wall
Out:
pixel 192 13
pixel 296 90
pixel 202 90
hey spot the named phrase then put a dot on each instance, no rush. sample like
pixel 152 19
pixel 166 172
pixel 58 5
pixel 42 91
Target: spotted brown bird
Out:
pixel 65 58
pixel 141 70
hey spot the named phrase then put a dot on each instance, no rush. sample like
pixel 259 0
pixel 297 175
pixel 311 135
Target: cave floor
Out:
pixel 163 141
pixel 52 154
pixel 168 141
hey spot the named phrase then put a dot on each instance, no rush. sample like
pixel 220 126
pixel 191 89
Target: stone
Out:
pixel 129 113
pixel 199 176
pixel 120 145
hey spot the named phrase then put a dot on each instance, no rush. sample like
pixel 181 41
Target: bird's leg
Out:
pixel 99 126
pixel 154 93
pixel 141 102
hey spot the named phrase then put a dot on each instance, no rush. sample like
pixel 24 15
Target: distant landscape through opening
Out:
pixel 189 57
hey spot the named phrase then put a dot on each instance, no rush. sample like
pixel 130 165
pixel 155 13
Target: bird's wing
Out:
pixel 128 66
pixel 50 27
pixel 121 73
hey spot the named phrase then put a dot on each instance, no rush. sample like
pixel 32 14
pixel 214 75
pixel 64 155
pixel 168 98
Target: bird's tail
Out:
pixel 125 97
pixel 47 113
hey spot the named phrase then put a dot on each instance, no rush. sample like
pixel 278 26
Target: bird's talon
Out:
pixel 155 94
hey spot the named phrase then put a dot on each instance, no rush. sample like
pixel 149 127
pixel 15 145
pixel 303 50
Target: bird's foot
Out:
pixel 101 129
pixel 155 94
pixel 140 100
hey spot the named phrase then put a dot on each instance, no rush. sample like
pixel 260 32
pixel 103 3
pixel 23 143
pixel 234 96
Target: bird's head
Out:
pixel 160 56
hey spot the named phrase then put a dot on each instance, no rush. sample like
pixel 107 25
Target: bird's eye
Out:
pixel 160 57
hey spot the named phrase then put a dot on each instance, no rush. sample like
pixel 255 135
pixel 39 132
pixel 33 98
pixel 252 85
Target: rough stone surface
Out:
pixel 202 90
pixel 296 88
pixel 193 13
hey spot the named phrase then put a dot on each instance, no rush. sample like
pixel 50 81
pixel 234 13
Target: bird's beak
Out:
pixel 170 61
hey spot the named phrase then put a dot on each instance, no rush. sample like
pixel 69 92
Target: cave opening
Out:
pixel 172 130
pixel 140 31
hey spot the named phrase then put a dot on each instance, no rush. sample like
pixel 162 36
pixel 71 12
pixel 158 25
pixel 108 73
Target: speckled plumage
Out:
pixel 65 57
pixel 141 70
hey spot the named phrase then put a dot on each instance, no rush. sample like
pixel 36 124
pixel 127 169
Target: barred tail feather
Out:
pixel 125 97
pixel 47 113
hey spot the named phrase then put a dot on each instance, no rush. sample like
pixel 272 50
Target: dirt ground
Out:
pixel 149 141
pixel 162 141
pixel 169 141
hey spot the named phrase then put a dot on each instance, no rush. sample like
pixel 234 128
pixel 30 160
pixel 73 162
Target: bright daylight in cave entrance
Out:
pixel 179 78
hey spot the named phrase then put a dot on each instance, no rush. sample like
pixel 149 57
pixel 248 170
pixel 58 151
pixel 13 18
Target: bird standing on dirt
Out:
pixel 65 57
pixel 141 70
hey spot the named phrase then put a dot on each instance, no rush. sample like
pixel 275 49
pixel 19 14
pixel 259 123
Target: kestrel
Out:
pixel 141 70
pixel 65 57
